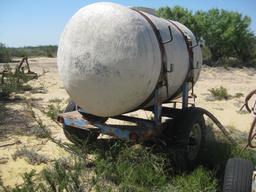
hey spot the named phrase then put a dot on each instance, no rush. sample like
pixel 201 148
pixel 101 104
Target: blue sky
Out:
pixel 40 22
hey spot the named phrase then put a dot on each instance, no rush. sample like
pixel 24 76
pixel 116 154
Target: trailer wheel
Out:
pixel 76 135
pixel 187 135
pixel 238 175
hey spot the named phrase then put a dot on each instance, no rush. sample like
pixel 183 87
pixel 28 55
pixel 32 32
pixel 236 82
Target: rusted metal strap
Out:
pixel 189 47
pixel 252 134
pixel 162 75
pixel 247 98
pixel 191 58
pixel 158 37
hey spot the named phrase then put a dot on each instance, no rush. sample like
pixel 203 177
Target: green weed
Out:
pixel 53 110
pixel 13 81
pixel 200 179
pixel 55 100
pixel 220 93
pixel 132 169
pixel 238 95
pixel 118 166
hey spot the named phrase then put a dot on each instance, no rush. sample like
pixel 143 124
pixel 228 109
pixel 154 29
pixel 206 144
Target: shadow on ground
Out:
pixel 15 118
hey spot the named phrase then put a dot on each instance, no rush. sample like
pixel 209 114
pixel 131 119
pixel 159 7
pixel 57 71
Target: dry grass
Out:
pixel 30 156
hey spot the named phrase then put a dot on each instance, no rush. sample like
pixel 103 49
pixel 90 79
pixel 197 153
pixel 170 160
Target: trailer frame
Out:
pixel 144 129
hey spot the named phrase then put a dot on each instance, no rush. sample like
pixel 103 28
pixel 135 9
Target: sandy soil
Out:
pixel 16 122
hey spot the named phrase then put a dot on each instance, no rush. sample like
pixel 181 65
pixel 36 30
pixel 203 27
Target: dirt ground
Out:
pixel 17 123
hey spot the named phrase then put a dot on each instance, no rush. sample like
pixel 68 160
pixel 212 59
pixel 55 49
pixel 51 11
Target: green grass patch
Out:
pixel 118 166
pixel 132 168
pixel 201 179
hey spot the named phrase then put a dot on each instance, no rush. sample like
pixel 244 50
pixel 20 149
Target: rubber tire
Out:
pixel 177 134
pixel 238 175
pixel 75 135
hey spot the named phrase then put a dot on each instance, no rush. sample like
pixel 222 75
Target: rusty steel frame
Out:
pixel 142 130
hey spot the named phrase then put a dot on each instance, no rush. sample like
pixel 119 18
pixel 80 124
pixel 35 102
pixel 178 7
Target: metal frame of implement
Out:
pixel 143 129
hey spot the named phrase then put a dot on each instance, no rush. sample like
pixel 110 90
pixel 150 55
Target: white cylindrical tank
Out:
pixel 110 58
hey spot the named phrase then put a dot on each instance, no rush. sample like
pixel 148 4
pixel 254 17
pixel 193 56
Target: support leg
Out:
pixel 185 95
pixel 157 109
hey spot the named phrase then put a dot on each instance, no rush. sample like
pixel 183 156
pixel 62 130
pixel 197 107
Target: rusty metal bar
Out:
pixel 157 109
pixel 132 133
pixel 185 95
pixel 139 121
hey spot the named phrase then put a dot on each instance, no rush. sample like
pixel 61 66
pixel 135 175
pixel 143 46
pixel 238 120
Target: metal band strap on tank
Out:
pixel 191 56
pixel 163 74
pixel 189 46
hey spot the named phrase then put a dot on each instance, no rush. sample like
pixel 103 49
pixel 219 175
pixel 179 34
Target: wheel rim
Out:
pixel 194 141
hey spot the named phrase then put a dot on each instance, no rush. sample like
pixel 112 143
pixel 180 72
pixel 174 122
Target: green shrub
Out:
pixel 206 54
pixel 40 130
pixel 238 95
pixel 42 51
pixel 28 183
pixel 4 54
pixel 55 100
pixel 58 178
pixel 220 93
pixel 9 86
pixel 229 62
pixel 53 110
pixel 55 178
pixel 13 81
